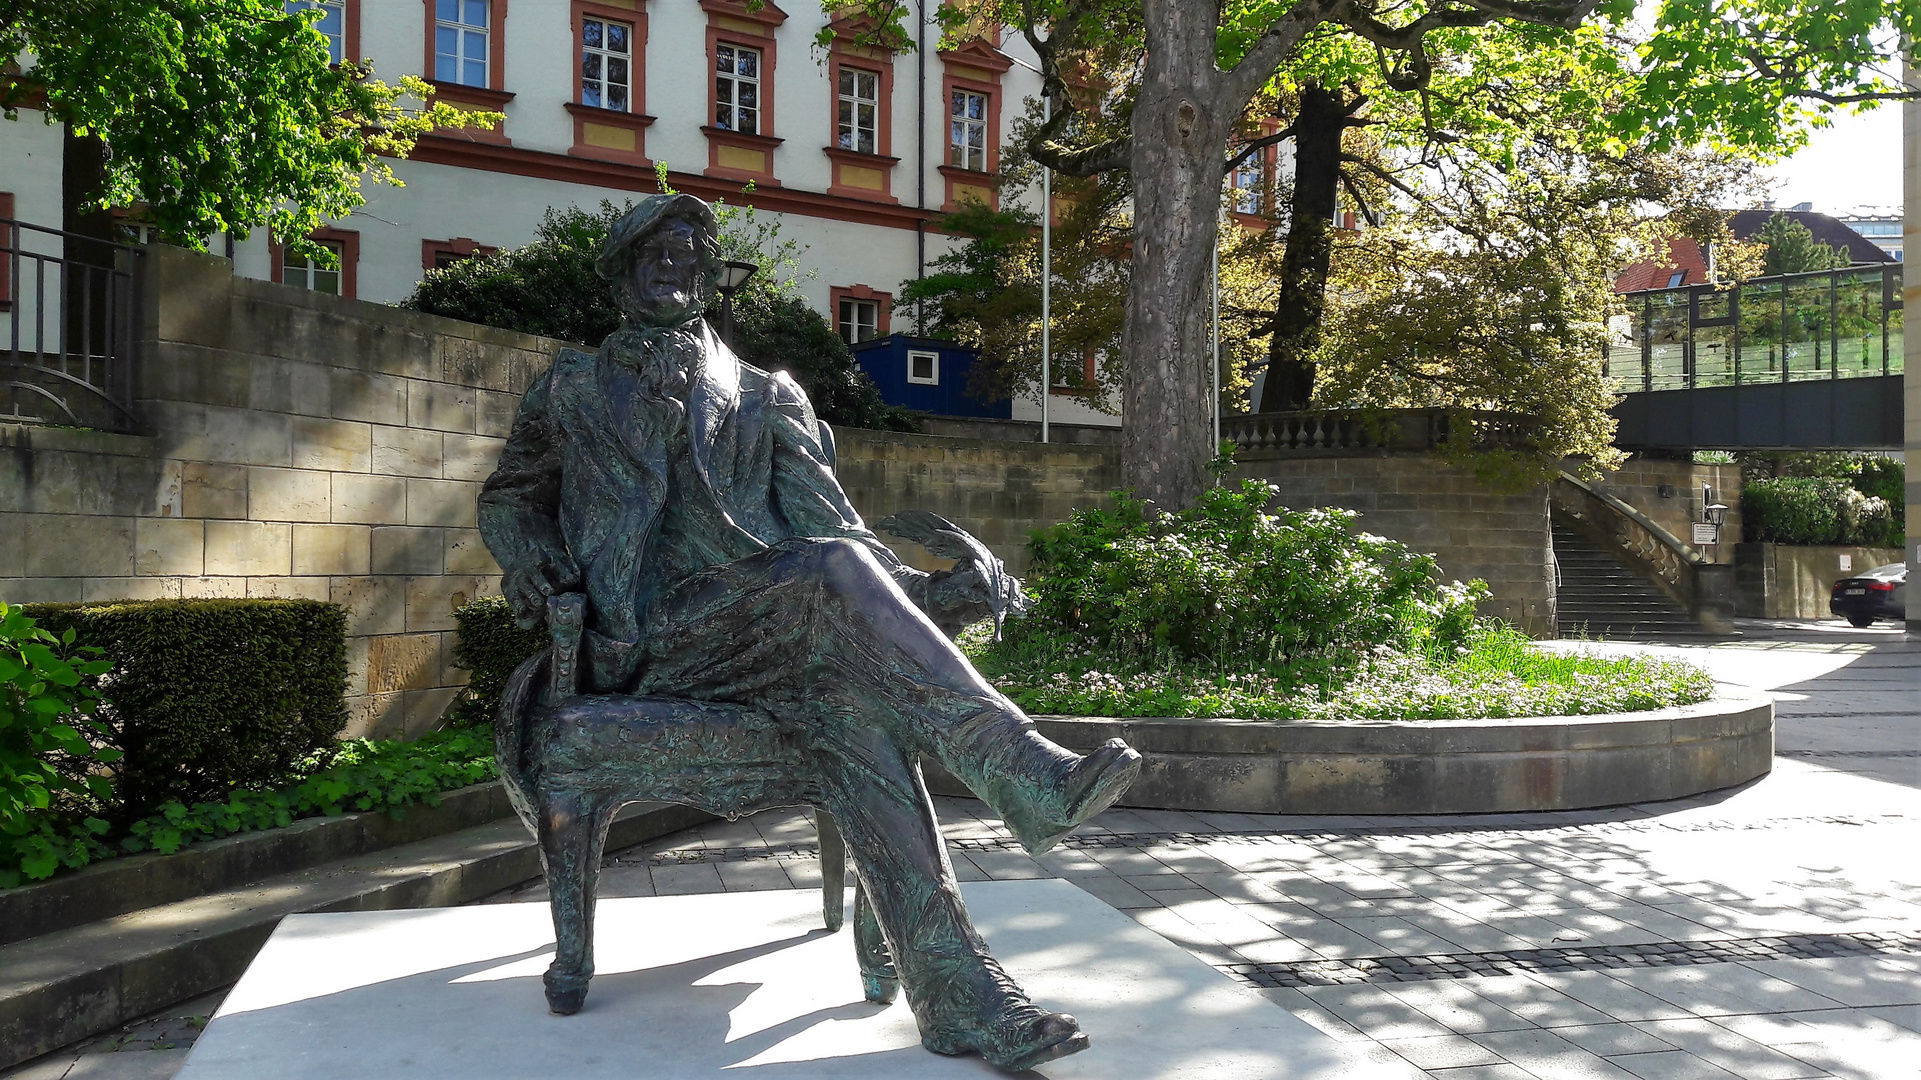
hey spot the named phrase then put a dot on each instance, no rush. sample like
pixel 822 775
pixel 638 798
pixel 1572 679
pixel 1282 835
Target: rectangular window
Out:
pixel 332 23
pixel 737 88
pixel 1247 186
pixel 460 41
pixel 967 133
pixel 859 320
pixel 923 368
pixel 303 273
pixel 606 64
pixel 859 109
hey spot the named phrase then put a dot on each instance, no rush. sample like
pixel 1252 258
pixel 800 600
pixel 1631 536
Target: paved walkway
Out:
pixel 1770 932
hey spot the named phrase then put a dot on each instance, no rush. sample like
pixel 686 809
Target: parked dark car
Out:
pixel 1881 593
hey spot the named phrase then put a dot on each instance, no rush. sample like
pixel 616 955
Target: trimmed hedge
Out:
pixel 489 646
pixel 1815 510
pixel 208 695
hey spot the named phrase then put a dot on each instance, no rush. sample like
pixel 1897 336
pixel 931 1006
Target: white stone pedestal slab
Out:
pixel 732 984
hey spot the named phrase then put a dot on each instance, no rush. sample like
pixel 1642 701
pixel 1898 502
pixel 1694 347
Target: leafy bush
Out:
pixel 209 695
pixel 490 647
pixel 354 776
pixel 1226 583
pixel 1817 510
pixel 47 743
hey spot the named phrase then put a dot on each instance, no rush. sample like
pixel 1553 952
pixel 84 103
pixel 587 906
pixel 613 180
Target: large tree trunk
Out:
pixel 1179 144
pixel 1310 237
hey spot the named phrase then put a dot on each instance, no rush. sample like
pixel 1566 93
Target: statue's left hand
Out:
pixel 967 586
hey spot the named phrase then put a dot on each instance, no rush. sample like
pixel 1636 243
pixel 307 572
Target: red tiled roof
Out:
pixel 1684 258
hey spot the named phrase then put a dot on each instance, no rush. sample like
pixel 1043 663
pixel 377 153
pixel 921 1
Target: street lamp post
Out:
pixel 733 275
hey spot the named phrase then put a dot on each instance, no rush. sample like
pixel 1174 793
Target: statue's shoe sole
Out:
pixel 1101 778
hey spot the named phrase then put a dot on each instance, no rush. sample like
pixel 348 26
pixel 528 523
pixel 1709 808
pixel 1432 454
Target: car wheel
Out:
pixel 1861 620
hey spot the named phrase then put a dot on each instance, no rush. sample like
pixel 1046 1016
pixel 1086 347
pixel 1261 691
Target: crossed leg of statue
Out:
pixel 810 628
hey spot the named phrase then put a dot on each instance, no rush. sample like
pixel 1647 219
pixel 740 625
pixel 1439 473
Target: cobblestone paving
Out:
pixel 1768 933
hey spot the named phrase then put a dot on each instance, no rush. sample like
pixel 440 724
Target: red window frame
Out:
pixel 883 306
pixel 462 247
pixel 853 165
pixel 9 239
pixel 731 155
pixel 349 241
pixel 608 125
pixel 494 96
pixel 975 66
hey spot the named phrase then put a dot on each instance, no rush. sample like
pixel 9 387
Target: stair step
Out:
pixel 1599 596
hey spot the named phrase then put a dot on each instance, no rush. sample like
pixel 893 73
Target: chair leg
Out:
pixel 878 978
pixel 833 869
pixel 573 827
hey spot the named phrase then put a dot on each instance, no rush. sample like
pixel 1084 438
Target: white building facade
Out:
pixel 855 152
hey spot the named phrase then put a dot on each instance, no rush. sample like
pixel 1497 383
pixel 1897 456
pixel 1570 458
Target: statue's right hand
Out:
pixel 528 587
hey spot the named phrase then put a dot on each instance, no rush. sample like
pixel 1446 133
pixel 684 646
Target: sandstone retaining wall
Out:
pixel 1435 506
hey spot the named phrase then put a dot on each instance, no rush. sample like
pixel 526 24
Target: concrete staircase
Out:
pixel 1600 597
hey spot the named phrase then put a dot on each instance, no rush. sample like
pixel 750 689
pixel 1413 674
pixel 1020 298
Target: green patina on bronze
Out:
pixel 730 635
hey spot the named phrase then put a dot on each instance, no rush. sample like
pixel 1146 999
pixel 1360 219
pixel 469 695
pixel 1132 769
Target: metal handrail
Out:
pixel 69 346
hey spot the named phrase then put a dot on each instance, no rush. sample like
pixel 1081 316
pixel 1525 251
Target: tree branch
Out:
pixel 1274 46
pixel 1249 149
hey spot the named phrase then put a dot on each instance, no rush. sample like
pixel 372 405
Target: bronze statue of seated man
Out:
pixel 691 499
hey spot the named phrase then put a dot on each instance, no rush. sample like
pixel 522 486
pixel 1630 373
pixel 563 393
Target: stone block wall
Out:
pixel 999 491
pixel 1434 506
pixel 297 444
pixel 1784 581
pixel 1639 482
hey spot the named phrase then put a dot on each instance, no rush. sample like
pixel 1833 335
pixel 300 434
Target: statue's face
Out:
pixel 665 283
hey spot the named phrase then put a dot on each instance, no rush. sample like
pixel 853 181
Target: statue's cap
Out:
pixel 617 254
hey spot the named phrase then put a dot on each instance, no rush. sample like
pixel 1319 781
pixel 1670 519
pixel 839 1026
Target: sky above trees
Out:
pixel 1857 162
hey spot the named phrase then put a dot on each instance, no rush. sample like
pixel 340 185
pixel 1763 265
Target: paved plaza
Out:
pixel 1770 932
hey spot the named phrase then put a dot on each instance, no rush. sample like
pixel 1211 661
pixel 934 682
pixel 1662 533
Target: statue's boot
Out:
pixel 1041 790
pixel 962 1000
pixel 965 1004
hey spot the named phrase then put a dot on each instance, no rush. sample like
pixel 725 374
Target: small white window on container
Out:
pixel 923 368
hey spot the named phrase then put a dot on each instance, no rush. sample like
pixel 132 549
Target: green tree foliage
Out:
pixel 1730 73
pixel 549 287
pixel 216 115
pixel 1792 248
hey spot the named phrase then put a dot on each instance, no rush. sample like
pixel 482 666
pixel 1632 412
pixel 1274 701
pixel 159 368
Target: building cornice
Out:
pixel 519 161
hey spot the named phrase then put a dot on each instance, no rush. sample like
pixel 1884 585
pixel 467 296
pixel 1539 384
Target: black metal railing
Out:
pixel 69 328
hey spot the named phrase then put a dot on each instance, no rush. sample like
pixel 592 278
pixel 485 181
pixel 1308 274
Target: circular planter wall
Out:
pixel 1434 766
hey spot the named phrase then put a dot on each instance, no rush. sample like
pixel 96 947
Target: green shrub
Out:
pixel 1229 584
pixel 209 695
pixel 49 745
pixel 1815 510
pixel 490 647
pixel 357 775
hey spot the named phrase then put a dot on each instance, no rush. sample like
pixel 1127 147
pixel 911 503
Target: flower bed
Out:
pixel 1494 673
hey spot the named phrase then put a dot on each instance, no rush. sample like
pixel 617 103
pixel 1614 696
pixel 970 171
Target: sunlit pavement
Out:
pixel 1769 932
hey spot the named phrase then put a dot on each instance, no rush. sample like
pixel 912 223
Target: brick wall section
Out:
pixel 1433 506
pixel 299 445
